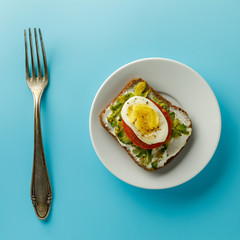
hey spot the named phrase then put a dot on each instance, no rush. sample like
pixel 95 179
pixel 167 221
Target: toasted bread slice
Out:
pixel 154 158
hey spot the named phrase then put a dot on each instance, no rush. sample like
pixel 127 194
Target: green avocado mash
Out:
pixel 145 155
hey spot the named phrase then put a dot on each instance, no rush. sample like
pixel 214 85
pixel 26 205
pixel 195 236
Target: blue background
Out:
pixel 85 42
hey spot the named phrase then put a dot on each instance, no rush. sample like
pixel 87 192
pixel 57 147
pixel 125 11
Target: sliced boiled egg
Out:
pixel 145 119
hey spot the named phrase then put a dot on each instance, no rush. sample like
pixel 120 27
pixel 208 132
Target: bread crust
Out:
pixel 159 96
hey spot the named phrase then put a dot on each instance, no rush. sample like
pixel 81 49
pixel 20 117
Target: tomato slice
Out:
pixel 133 137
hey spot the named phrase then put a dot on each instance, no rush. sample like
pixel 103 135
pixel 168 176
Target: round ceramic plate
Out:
pixel 183 87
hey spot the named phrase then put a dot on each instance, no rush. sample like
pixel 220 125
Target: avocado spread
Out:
pixel 145 155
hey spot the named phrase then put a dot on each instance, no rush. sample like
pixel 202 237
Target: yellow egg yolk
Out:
pixel 145 118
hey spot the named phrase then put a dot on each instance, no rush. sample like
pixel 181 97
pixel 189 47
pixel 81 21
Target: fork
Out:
pixel 41 192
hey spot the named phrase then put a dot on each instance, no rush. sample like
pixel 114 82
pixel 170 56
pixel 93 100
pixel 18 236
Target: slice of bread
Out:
pixel 158 157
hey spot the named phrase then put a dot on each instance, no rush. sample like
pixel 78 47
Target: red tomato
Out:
pixel 133 137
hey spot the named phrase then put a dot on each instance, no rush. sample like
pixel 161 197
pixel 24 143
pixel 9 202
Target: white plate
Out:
pixel 184 87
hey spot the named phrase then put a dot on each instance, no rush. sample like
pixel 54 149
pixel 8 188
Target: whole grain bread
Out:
pixel 154 93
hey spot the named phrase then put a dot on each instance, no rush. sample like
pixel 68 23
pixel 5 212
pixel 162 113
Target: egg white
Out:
pixel 156 136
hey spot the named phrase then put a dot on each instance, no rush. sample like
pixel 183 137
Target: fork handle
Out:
pixel 41 192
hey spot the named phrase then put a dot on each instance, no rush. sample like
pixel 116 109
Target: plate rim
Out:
pixel 203 81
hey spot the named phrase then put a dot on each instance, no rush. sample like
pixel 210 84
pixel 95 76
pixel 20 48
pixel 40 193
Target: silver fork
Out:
pixel 41 192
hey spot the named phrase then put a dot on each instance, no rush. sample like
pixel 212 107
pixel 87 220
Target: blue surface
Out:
pixel 85 42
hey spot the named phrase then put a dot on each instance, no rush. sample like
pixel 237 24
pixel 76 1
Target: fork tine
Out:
pixel 26 55
pixel 44 56
pixel 38 58
pixel 32 55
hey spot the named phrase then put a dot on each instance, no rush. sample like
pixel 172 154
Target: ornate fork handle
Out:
pixel 41 192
